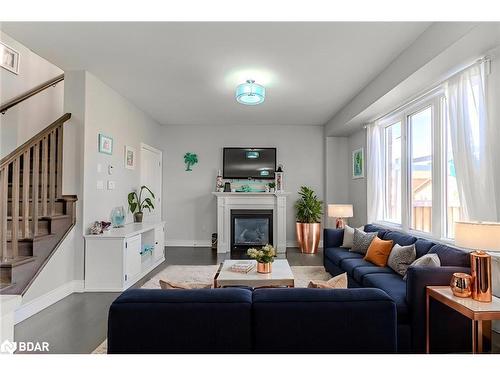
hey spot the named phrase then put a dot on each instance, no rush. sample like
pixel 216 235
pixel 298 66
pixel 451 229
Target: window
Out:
pixel 421 143
pixel 392 207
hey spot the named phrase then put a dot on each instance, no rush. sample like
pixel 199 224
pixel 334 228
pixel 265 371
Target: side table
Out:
pixel 480 313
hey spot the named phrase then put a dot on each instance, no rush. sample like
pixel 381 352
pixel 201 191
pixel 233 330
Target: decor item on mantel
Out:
pixel 190 159
pixel 264 257
pixel 279 179
pixel 219 184
pixel 272 187
pixel 308 226
pixel 341 212
pixel 482 236
pixel 118 217
pixel 135 202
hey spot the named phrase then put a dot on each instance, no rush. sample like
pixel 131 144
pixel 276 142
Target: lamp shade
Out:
pixel 340 210
pixel 478 235
pixel 250 93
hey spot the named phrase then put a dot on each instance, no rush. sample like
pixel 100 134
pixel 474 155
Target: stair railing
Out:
pixel 41 161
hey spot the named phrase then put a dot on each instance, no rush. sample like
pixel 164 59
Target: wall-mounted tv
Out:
pixel 252 162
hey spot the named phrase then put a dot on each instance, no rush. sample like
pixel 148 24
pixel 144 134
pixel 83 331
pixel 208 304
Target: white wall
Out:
pixel 336 174
pixel 188 203
pixel 26 119
pixel 109 113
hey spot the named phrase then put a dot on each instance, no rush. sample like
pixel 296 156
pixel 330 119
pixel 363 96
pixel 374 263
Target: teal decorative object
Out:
pixel 246 189
pixel 190 160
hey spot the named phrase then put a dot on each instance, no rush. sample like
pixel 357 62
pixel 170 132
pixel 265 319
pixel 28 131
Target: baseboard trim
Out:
pixel 191 243
pixel 24 311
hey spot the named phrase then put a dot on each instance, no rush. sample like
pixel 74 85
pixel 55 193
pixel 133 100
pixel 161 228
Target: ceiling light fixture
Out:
pixel 250 93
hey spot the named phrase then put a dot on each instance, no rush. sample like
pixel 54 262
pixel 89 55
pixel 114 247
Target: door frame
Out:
pixel 145 146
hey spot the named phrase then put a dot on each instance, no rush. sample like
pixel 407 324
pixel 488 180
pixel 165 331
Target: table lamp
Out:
pixel 481 236
pixel 341 212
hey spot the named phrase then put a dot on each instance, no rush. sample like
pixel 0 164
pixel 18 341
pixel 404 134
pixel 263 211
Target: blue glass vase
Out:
pixel 118 217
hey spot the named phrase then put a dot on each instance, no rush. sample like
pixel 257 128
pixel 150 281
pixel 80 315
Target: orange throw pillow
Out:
pixel 379 251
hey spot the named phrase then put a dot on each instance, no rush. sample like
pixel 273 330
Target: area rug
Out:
pixel 205 274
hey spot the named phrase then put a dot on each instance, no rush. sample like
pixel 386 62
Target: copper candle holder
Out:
pixel 461 284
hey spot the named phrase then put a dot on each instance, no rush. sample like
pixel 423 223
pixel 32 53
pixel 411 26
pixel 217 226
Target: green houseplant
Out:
pixel 137 204
pixel 308 214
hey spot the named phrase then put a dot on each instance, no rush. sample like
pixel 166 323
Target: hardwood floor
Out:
pixel 78 323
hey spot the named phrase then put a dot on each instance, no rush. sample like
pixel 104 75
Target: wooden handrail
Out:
pixel 32 141
pixel 21 98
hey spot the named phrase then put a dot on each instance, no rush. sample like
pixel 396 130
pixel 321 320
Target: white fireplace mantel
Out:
pixel 250 201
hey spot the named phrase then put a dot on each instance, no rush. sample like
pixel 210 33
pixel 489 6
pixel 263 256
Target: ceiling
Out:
pixel 186 73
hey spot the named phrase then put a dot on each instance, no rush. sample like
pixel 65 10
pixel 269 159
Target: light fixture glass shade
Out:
pixel 477 235
pixel 250 93
pixel 340 210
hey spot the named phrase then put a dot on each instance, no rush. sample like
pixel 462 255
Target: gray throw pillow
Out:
pixel 401 257
pixel 361 241
pixel 428 260
pixel 349 236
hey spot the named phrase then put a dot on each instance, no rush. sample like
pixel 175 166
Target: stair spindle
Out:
pixel 15 208
pixel 25 203
pixel 59 160
pixel 52 173
pixel 34 193
pixel 4 176
pixel 45 157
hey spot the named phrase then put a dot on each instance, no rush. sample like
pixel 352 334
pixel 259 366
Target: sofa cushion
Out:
pixel 401 257
pixel 360 272
pixel 336 282
pixel 400 238
pixel 375 228
pixel 422 247
pixel 450 256
pixel 394 286
pixel 349 265
pixel 362 241
pixel 338 254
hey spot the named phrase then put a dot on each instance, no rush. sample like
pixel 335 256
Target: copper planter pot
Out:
pixel 311 233
pixel 264 267
pixel 299 232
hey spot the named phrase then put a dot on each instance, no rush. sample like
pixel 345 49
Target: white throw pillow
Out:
pixel 349 236
pixel 428 260
pixel 337 282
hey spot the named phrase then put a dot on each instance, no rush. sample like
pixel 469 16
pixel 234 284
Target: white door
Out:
pixel 132 258
pixel 151 176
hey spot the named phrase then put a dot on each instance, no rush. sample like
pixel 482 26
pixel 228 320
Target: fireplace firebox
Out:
pixel 251 228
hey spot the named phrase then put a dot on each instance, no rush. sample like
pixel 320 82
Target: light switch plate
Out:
pixel 99 168
pixel 111 185
pixel 100 184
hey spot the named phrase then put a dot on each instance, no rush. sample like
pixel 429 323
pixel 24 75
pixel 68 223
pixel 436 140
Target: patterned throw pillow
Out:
pixel 401 257
pixel 362 241
pixel 349 236
pixel 173 285
pixel 337 282
pixel 428 260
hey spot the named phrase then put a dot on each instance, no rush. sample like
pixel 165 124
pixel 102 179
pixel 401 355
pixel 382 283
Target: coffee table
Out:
pixel 281 275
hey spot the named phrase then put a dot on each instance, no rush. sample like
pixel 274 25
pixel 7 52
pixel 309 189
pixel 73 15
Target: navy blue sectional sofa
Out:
pixel 450 331
pixel 239 320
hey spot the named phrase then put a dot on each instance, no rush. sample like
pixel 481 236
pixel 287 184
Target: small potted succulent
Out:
pixel 136 203
pixel 264 257
pixel 272 187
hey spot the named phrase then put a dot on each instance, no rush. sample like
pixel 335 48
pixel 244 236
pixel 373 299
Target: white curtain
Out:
pixel 472 141
pixel 374 173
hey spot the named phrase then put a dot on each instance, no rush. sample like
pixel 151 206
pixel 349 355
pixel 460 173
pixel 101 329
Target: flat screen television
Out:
pixel 243 163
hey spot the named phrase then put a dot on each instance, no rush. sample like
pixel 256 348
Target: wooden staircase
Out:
pixel 35 216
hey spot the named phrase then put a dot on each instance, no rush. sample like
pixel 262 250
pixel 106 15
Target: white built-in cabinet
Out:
pixel 116 260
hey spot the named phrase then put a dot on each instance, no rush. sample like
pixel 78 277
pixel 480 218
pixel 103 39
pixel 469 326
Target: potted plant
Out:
pixel 309 210
pixel 264 257
pixel 272 187
pixel 136 203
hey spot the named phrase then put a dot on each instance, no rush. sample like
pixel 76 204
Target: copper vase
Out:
pixel 299 231
pixel 481 275
pixel 264 267
pixel 461 284
pixel 311 233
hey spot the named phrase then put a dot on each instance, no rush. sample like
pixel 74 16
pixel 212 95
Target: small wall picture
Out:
pixel 105 144
pixel 9 58
pixel 358 163
pixel 130 155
